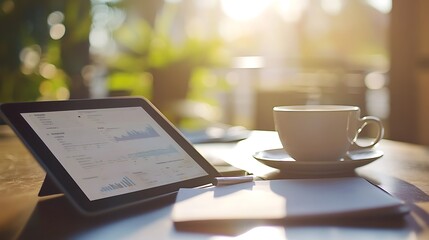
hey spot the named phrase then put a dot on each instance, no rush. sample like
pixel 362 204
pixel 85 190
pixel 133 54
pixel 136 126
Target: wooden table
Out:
pixel 402 171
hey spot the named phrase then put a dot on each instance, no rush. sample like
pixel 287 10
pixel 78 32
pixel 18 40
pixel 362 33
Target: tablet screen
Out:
pixel 113 151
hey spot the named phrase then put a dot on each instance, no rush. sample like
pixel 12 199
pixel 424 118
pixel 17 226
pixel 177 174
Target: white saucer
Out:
pixel 280 159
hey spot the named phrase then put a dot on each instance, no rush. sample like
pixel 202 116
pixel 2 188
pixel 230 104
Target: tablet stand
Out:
pixel 48 187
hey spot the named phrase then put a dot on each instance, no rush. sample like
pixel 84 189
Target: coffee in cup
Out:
pixel 322 132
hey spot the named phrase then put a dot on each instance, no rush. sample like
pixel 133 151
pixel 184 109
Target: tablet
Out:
pixel 108 153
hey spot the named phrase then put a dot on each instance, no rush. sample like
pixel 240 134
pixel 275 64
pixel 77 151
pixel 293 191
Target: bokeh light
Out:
pixel 375 80
pixel 55 18
pixel 47 70
pixel 7 6
pixel 45 88
pixel 62 93
pixel 57 31
pixel 30 58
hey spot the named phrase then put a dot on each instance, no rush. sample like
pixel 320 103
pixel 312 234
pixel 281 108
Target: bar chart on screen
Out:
pixel 123 183
pixel 149 132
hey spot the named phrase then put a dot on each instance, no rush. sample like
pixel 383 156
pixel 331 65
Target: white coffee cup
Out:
pixel 322 132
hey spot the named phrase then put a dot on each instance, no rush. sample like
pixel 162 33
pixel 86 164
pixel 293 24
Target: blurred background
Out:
pixel 224 61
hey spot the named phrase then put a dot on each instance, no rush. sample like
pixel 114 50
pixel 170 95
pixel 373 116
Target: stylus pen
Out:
pixel 220 181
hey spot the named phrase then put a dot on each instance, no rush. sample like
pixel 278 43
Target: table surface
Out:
pixel 402 171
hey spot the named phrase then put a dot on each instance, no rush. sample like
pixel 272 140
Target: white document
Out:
pixel 285 199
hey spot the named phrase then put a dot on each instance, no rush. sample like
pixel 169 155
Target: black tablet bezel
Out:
pixel 11 112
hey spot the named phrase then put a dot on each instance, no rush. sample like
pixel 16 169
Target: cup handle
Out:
pixel 365 121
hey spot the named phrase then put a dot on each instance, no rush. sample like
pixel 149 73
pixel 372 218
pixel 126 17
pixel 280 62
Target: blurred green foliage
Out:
pixel 19 21
pixel 33 64
pixel 145 45
pixel 158 58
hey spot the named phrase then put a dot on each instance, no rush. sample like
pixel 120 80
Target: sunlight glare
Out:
pixel 264 232
pixel 291 10
pixel 384 6
pixel 249 62
pixel 332 6
pixel 244 10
